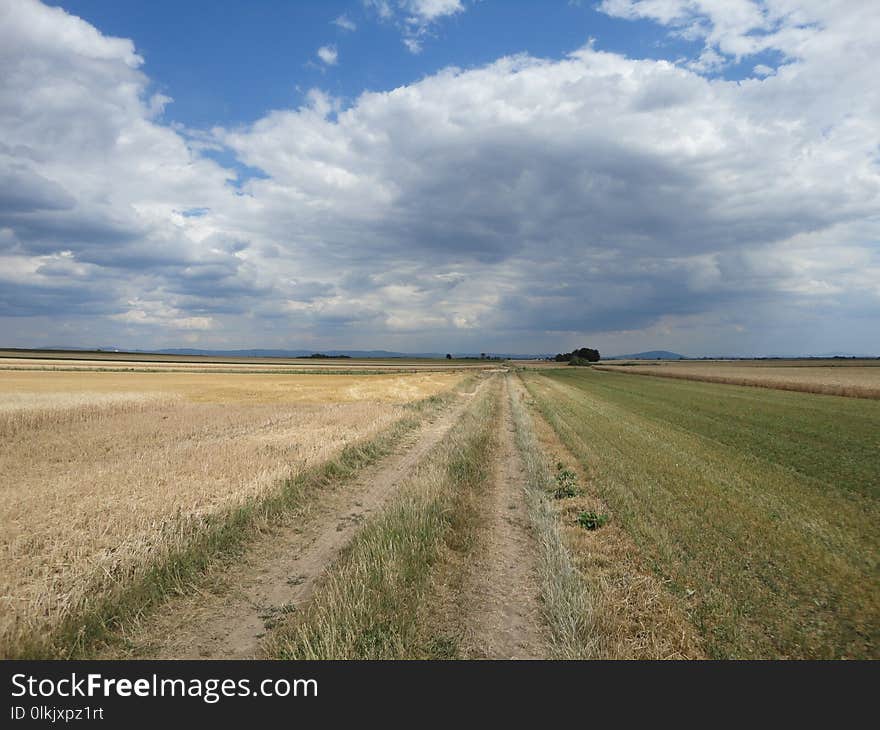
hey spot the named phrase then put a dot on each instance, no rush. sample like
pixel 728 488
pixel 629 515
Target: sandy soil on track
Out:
pixel 279 572
pixel 502 590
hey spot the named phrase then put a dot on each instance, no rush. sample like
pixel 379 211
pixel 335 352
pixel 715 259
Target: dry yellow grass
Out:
pixel 860 380
pixel 102 472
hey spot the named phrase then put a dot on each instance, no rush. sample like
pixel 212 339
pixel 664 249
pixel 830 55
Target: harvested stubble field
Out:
pixel 757 509
pixel 852 378
pixel 147 362
pixel 104 475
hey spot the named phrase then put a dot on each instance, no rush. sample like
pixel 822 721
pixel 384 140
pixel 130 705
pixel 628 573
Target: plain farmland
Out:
pixel 167 509
pixel 759 508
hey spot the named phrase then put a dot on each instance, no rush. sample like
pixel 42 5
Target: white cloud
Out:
pixel 796 29
pixel 416 19
pixel 426 11
pixel 157 313
pixel 98 178
pixel 345 23
pixel 413 45
pixel 382 8
pixel 32 26
pixel 328 54
pixel 528 204
pixel 708 61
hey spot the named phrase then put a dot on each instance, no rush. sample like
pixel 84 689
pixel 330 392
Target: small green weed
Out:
pixel 566 482
pixel 591 521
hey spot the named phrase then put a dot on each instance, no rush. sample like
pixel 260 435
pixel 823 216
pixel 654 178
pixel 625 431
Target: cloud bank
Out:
pixel 527 205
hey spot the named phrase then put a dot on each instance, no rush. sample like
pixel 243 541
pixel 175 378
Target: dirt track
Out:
pixel 500 609
pixel 503 610
pixel 279 571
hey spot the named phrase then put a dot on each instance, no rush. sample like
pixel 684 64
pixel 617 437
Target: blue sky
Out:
pixel 228 62
pixel 441 175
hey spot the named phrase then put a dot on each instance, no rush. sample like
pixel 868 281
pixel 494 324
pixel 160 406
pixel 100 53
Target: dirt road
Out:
pixel 279 571
pixel 501 592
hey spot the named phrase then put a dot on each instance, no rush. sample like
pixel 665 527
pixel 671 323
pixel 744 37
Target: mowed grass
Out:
pixel 107 479
pixel 599 601
pixel 759 507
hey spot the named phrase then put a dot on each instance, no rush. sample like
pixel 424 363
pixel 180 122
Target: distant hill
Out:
pixel 292 353
pixel 340 353
pixel 267 353
pixel 650 355
pixel 847 355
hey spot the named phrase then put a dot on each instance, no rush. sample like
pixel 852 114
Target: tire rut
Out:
pixel 502 605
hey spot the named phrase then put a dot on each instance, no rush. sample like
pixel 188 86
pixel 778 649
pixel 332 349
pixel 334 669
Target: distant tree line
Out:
pixel 581 356
pixel 322 356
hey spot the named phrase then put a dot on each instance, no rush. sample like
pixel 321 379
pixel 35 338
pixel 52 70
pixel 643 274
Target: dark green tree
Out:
pixel 581 356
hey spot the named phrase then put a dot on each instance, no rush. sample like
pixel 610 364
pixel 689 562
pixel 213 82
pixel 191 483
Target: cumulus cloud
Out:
pixel 425 11
pixel 328 54
pixel 529 204
pixel 91 178
pixel 734 29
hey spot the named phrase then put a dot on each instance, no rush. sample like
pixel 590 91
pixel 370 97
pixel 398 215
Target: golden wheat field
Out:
pixel 859 378
pixel 102 472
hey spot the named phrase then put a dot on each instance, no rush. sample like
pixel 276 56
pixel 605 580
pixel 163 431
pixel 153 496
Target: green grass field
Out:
pixel 759 507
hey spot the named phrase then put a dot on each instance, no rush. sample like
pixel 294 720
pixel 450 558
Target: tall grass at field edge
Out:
pixel 568 609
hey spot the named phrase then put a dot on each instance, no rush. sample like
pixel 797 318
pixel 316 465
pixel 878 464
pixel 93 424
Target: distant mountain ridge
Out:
pixel 265 353
pixel 292 353
pixel 649 355
pixel 338 353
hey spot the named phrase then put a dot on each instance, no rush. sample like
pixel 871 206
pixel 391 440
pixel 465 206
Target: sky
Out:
pixel 700 176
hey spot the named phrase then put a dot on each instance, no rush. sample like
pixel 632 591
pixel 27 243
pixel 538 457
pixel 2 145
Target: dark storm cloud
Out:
pixel 96 239
pixel 70 299
pixel 24 191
